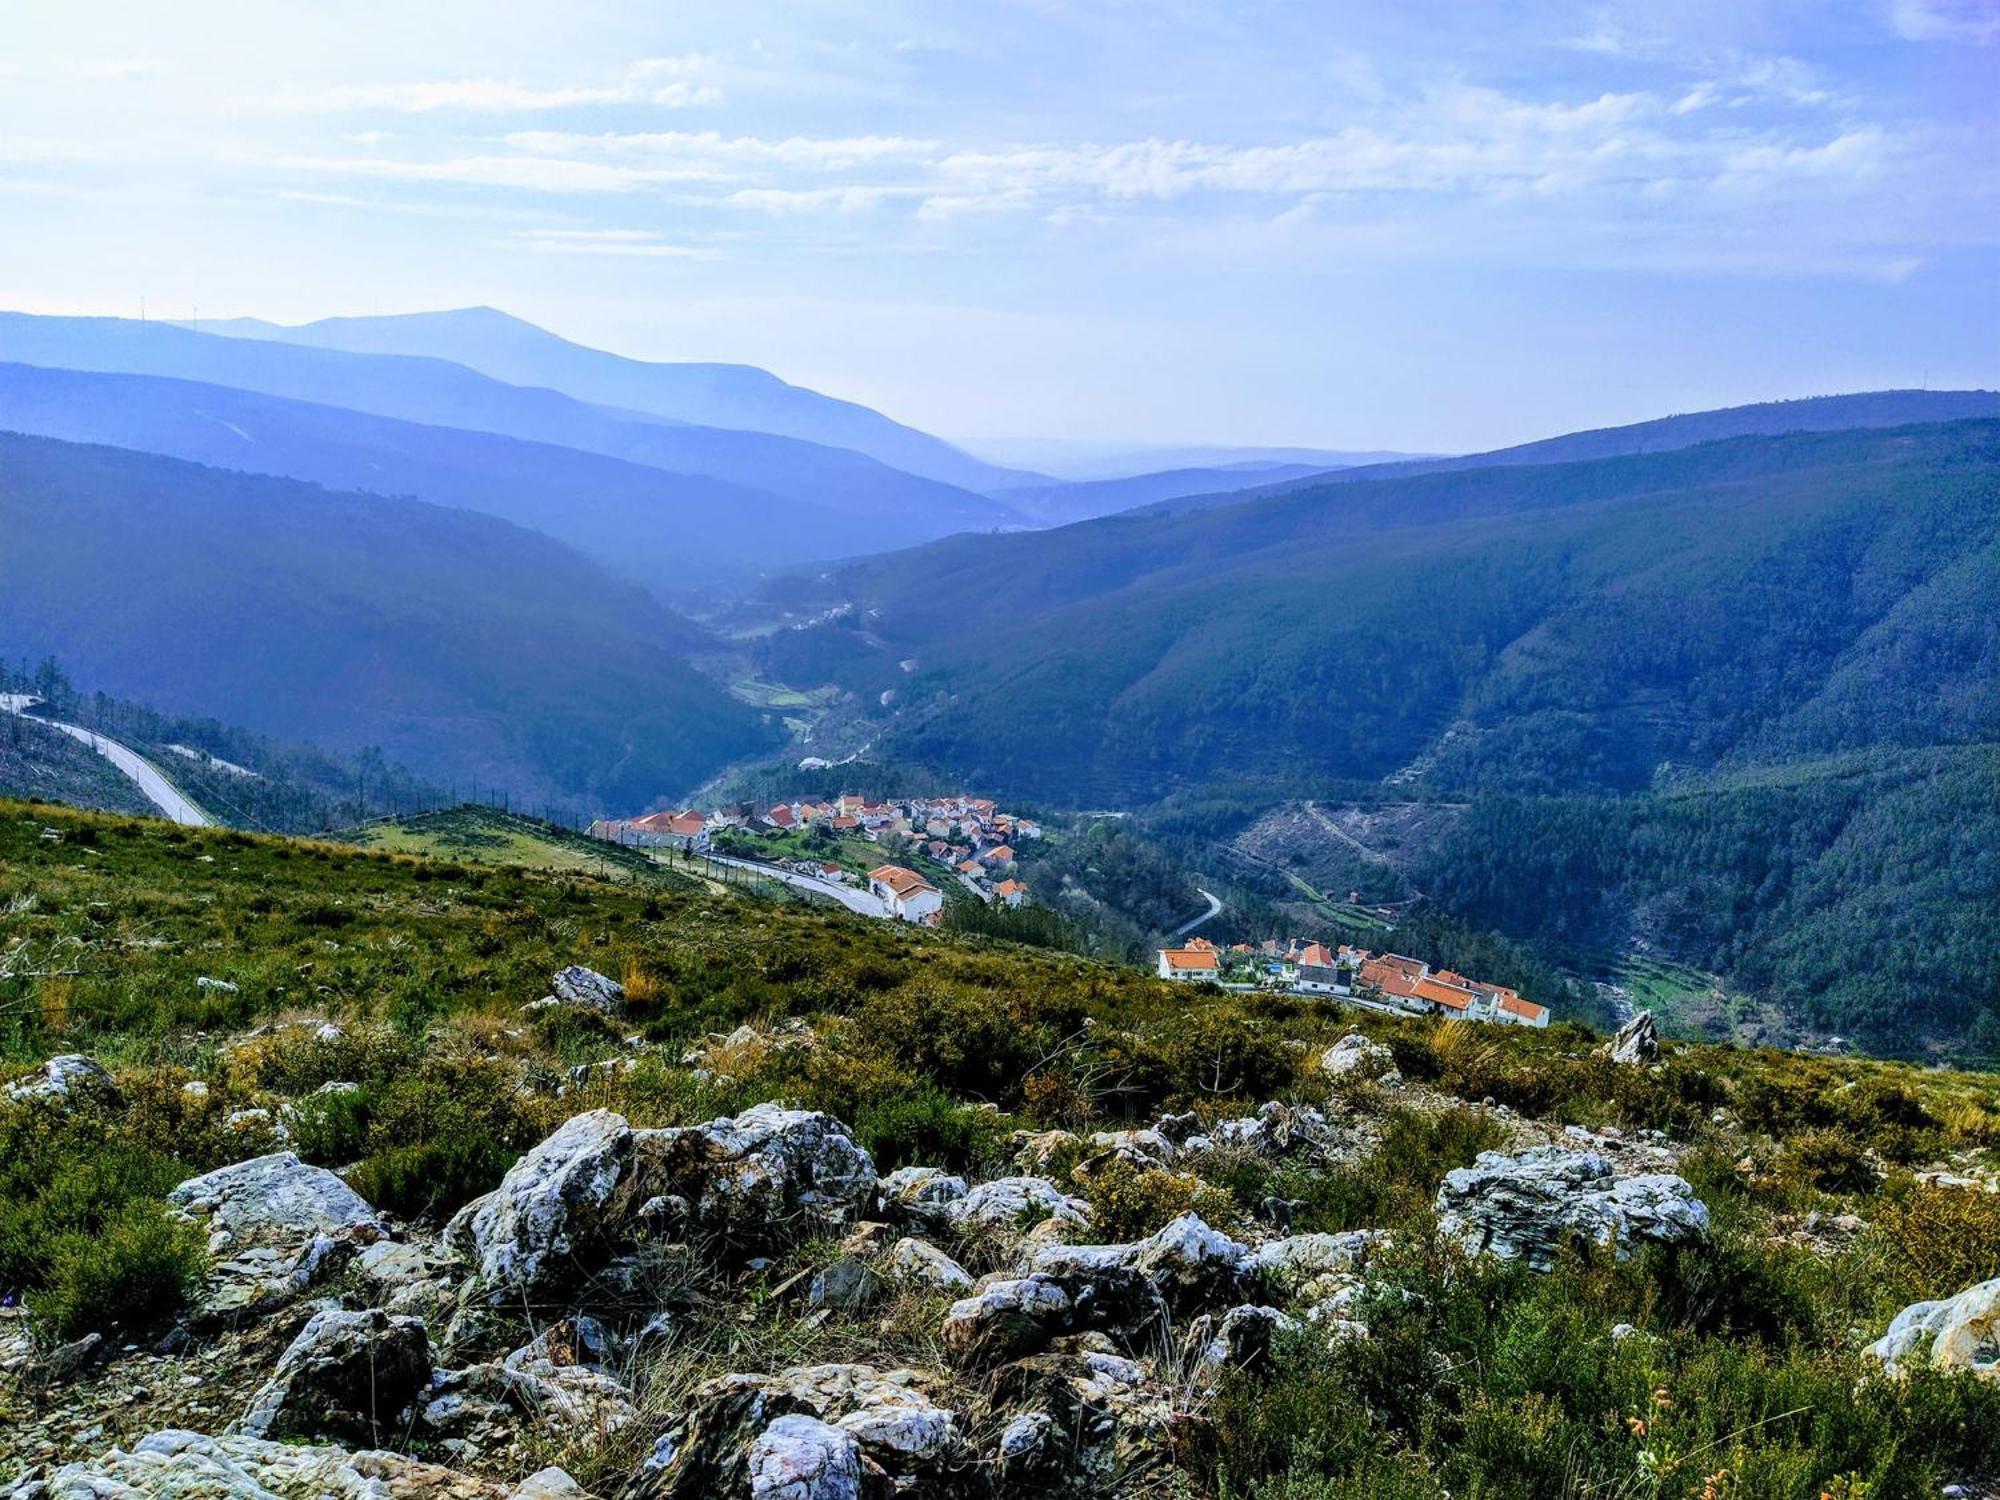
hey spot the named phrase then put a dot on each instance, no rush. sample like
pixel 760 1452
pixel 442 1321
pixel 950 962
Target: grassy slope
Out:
pixel 1477 1380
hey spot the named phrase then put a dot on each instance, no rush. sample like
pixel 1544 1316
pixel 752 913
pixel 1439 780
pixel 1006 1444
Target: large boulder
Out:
pixel 921 1264
pixel 1186 1261
pixel 275 1227
pixel 922 1195
pixel 811 1433
pixel 569 1200
pixel 1954 1333
pixel 1357 1056
pixel 1086 1420
pixel 1637 1042
pixel 766 1172
pixel 175 1465
pixel 1528 1204
pixel 589 989
pixel 348 1376
pixel 69 1081
pixel 597 1187
pixel 1006 1317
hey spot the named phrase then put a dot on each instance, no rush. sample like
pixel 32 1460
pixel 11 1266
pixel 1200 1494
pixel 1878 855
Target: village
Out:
pixel 1380 981
pixel 843 841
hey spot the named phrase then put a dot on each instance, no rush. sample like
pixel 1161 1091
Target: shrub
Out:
pixel 1830 1160
pixel 135 1267
pixel 1945 1239
pixel 1128 1202
pixel 435 1178
pixel 924 1126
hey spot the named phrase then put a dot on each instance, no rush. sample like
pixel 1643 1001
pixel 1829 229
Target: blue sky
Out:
pixel 1409 225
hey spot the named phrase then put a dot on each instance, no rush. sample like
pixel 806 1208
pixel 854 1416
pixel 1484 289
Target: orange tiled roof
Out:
pixel 1189 958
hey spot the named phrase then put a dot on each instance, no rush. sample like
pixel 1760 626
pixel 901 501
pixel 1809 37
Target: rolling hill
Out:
pixel 1737 702
pixel 670 532
pixel 1535 629
pixel 884 505
pixel 468 649
pixel 711 395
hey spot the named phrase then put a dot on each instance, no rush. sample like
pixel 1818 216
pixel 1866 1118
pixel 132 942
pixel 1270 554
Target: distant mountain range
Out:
pixel 884 506
pixel 709 395
pixel 471 650
pixel 671 532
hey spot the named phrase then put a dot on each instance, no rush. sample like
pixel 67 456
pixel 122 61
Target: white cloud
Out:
pixel 1974 21
pixel 642 243
pixel 114 68
pixel 669 82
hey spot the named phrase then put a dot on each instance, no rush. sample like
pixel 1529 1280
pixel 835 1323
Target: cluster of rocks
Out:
pixel 1063 1362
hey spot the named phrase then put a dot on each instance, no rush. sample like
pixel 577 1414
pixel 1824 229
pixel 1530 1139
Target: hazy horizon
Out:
pixel 1256 225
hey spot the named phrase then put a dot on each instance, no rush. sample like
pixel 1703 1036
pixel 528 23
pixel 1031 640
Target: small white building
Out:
pixel 1199 960
pixel 906 893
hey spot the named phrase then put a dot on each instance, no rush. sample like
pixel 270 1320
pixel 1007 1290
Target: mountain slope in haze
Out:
pixel 1059 504
pixel 670 532
pixel 1762 419
pixel 1555 628
pixel 710 395
pixel 470 650
pixel 886 506
pixel 1080 460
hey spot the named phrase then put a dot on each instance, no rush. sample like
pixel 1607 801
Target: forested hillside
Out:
pixel 1534 629
pixel 473 651
pixel 1738 701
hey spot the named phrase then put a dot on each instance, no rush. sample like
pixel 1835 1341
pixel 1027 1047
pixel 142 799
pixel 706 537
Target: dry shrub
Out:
pixel 1946 1238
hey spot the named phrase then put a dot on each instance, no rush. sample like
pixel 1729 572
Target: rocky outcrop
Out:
pixel 1954 1333
pixel 1087 1418
pixel 765 1173
pixel 567 1201
pixel 1239 1337
pixel 1015 1204
pixel 1528 1204
pixel 1186 1261
pixel 921 1264
pixel 347 1376
pixel 1356 1056
pixel 597 1187
pixel 1006 1317
pixel 275 1227
pixel 1276 1129
pixel 920 1195
pixel 69 1081
pixel 175 1465
pixel 589 989
pixel 817 1432
pixel 1636 1043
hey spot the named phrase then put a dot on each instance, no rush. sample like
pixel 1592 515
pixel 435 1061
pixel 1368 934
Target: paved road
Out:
pixel 864 902
pixel 159 791
pixel 1214 911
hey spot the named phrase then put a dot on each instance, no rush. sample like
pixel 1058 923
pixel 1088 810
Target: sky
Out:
pixel 1402 225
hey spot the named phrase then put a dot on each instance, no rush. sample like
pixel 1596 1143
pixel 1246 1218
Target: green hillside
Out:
pixel 1554 644
pixel 373 1002
pixel 478 654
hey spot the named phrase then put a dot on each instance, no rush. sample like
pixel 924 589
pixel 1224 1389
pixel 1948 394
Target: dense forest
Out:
pixel 1859 893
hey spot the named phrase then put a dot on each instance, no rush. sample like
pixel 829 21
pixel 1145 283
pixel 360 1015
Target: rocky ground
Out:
pixel 747 1307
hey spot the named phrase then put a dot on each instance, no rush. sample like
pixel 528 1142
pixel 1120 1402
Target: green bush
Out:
pixel 134 1267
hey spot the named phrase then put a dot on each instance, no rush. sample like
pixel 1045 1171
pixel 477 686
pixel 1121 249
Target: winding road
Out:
pixel 865 902
pixel 143 773
pixel 1214 910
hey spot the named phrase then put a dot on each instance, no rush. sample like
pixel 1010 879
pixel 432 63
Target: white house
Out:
pixel 906 893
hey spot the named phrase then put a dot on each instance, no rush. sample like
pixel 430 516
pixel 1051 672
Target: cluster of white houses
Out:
pixel 1310 968
pixel 969 836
